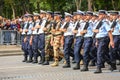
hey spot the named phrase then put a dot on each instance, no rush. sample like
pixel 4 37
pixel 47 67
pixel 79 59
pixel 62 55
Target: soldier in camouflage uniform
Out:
pixel 56 39
pixel 47 29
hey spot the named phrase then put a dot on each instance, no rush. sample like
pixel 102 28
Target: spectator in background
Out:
pixel 7 35
pixel 18 24
pixel 13 27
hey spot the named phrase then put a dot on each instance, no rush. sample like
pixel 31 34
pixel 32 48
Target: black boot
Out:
pixel 85 68
pixel 35 60
pixel 67 65
pixel 46 62
pixel 25 59
pixel 30 60
pixel 42 60
pixel 98 70
pixel 77 66
pixel 113 67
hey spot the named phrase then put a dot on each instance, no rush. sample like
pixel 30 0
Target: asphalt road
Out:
pixel 12 68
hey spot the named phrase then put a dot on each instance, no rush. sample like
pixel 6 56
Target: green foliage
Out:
pixel 20 7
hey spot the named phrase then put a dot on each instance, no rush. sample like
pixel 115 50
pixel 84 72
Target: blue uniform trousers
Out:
pixel 87 46
pixel 68 40
pixel 24 46
pixel 102 51
pixel 41 44
pixel 93 52
pixel 77 48
pixel 29 47
pixel 35 46
pixel 114 51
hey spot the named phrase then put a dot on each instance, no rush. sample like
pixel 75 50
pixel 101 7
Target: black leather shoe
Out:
pixel 77 66
pixel 25 59
pixel 29 61
pixel 113 67
pixel 42 60
pixel 67 65
pixel 98 71
pixel 46 63
pixel 103 66
pixel 85 68
pixel 35 61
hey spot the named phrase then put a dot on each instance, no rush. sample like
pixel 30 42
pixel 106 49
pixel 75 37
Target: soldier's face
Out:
pixel 114 16
pixel 25 19
pixel 67 18
pixel 30 18
pixel 78 16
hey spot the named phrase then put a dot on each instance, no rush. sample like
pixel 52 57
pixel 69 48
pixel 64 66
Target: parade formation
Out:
pixel 93 38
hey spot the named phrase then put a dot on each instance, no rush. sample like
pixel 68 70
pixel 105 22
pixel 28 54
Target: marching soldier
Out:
pixel 56 39
pixel 23 37
pixel 102 32
pixel 88 40
pixel 34 37
pixel 78 39
pixel 115 27
pixel 28 36
pixel 41 36
pixel 47 29
pixel 67 28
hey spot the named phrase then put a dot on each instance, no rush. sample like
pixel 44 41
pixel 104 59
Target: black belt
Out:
pixel 102 38
pixel 57 34
pixel 88 37
pixel 78 36
pixel 47 33
pixel 69 36
pixel 116 35
pixel 41 33
pixel 34 34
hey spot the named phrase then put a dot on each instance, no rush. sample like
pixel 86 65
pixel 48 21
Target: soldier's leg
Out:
pixel 77 50
pixel 47 50
pixel 24 49
pixel 41 47
pixel 30 51
pixel 67 46
pixel 35 49
pixel 86 56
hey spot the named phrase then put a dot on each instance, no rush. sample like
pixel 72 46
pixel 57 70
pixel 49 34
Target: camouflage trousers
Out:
pixel 56 48
pixel 48 47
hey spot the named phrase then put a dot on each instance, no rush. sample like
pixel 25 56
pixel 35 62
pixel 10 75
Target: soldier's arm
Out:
pixel 111 38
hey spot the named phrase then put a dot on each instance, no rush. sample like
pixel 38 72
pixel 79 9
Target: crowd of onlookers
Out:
pixel 9 29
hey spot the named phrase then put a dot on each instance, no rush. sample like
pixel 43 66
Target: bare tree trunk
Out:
pixel 90 5
pixel 113 4
pixel 78 4
pixel 38 6
pixel 13 11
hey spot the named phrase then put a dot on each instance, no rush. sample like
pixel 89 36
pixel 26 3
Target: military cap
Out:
pixel 57 13
pixel 49 12
pixel 89 13
pixel 26 15
pixel 30 15
pixel 42 11
pixel 79 12
pixel 67 14
pixel 114 13
pixel 102 12
pixel 36 14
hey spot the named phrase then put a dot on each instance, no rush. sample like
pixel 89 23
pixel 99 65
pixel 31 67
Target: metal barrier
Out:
pixel 8 37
